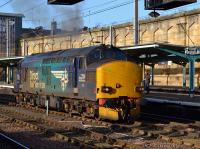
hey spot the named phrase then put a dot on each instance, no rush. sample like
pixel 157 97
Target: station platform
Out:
pixel 6 89
pixel 172 95
pixel 7 86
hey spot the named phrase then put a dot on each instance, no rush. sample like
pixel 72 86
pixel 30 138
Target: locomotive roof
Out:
pixel 61 53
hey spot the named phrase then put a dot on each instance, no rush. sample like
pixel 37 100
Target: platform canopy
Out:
pixel 159 52
pixel 151 54
pixel 10 61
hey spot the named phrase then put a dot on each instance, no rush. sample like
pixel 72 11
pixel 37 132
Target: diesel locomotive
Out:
pixel 97 81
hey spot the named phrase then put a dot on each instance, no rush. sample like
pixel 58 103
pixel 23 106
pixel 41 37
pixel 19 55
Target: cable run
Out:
pixel 39 5
pixel 92 7
pixel 109 8
pixel 99 11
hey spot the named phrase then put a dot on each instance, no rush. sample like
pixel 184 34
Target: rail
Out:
pixel 12 141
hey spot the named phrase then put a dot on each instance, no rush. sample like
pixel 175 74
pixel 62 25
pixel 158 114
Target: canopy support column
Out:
pixel 8 74
pixel 184 76
pixel 11 74
pixel 143 71
pixel 192 73
pixel 4 77
pixel 152 74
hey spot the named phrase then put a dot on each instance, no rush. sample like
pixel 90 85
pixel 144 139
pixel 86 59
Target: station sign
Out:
pixel 192 51
pixel 166 4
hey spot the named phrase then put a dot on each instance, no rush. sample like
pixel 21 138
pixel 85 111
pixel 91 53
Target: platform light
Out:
pixel 169 63
pixel 154 14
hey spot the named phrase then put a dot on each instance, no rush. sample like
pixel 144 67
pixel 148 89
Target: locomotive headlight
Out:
pixel 106 89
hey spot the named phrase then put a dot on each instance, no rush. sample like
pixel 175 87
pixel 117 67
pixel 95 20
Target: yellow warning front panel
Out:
pixel 108 113
pixel 127 74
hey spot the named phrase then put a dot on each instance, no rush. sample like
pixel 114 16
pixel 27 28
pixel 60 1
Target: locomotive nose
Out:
pixel 116 79
pixel 116 85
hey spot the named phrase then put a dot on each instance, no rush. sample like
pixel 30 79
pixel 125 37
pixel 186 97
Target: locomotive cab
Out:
pixel 116 84
pixel 117 92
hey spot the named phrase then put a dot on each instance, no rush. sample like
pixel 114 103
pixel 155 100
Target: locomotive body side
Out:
pixel 72 81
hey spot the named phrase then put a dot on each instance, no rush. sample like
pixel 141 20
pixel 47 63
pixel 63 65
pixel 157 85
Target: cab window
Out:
pixel 81 63
pixel 103 54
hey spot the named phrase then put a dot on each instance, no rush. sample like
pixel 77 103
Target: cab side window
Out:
pixel 81 63
pixel 94 56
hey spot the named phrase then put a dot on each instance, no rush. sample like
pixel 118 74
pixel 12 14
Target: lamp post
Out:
pixel 8 47
pixel 7 38
pixel 136 23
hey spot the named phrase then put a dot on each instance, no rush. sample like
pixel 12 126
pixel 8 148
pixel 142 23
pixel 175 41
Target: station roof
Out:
pixel 158 52
pixel 10 60
pixel 11 14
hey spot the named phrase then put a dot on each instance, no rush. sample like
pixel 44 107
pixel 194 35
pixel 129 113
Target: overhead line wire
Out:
pixel 90 8
pixel 39 5
pixel 6 3
pixel 100 11
pixel 109 8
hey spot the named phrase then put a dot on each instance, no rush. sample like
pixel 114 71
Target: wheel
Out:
pixel 97 118
pixel 70 114
pixel 124 115
pixel 96 115
pixel 125 110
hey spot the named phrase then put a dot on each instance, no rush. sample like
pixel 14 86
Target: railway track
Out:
pixel 86 132
pixel 93 134
pixel 82 137
pixel 7 143
pixel 164 118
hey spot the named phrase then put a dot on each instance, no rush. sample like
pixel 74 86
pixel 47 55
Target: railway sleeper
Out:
pixel 156 134
pixel 98 136
pixel 74 139
pixel 177 134
pixel 176 140
pixel 194 135
pixel 105 145
pixel 165 138
pixel 191 142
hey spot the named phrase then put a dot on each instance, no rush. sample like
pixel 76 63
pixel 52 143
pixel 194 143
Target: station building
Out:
pixel 10 49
